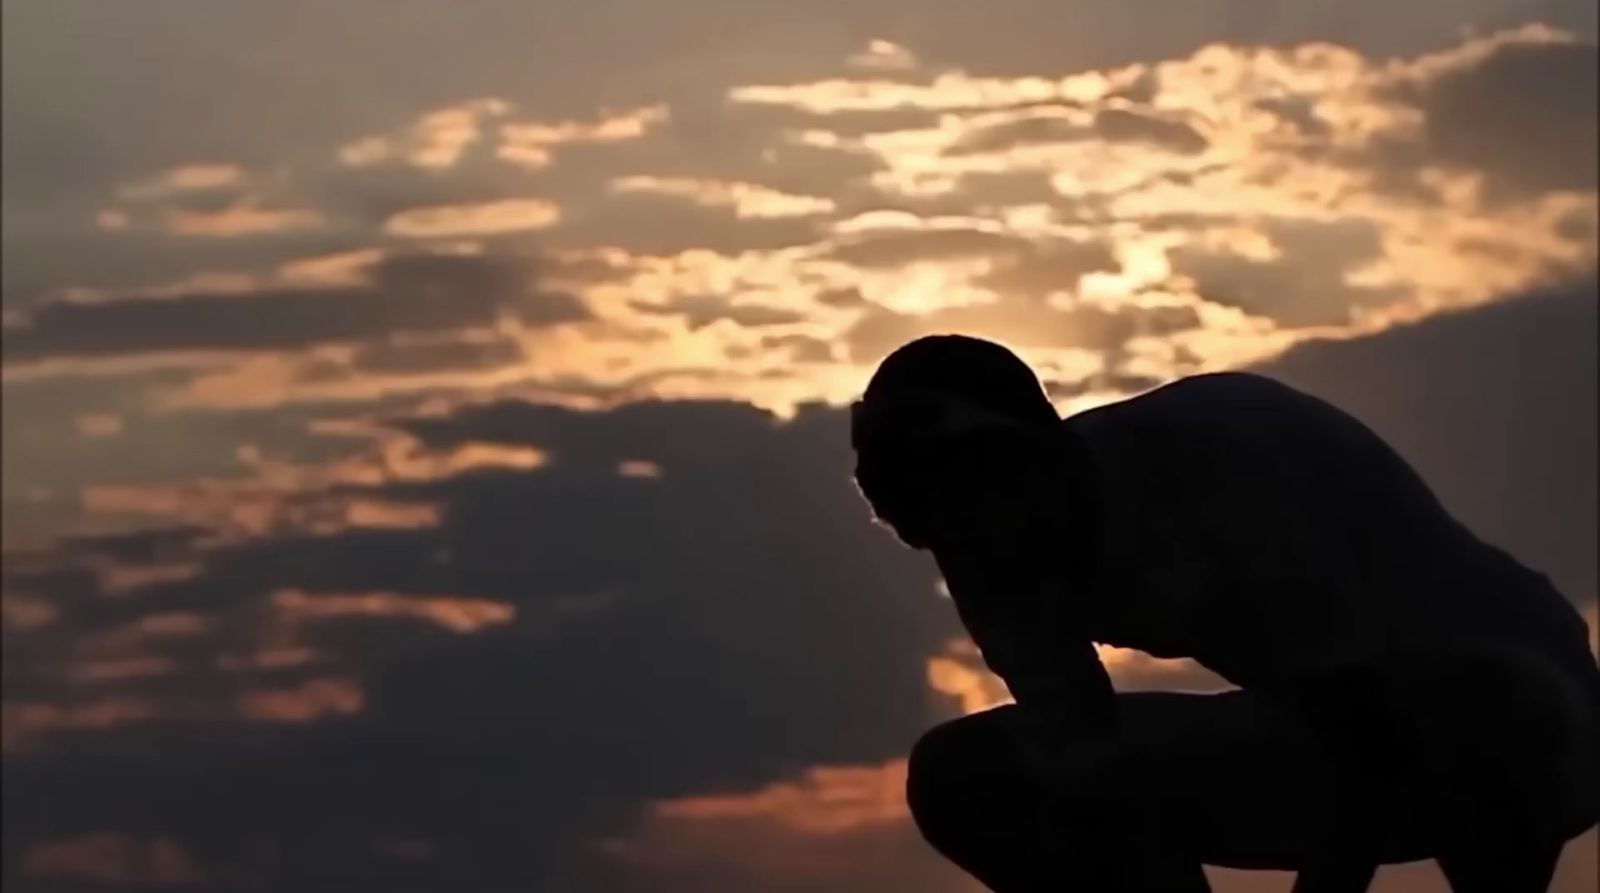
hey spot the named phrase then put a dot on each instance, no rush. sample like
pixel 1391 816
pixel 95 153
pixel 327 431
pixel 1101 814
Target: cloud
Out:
pixel 186 178
pixel 1306 283
pixel 437 140
pixel 801 348
pixel 744 199
pixel 505 644
pixel 1121 125
pixel 1034 127
pixel 530 143
pixel 456 615
pixel 1523 114
pixel 488 218
pixel 897 248
pixel 884 55
pixel 401 293
pixel 696 568
pixel 241 220
pixel 1021 322
pixel 412 357
pixel 1496 407
pixel 689 603
pixel 1054 267
pixel 700 311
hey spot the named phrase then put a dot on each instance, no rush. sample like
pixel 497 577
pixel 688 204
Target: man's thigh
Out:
pixel 1242 779
pixel 1373 764
pixel 1229 779
pixel 1402 760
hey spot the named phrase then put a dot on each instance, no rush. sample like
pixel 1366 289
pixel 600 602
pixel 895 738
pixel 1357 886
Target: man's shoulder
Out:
pixel 1225 384
pixel 1207 394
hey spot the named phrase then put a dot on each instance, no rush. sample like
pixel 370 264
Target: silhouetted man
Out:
pixel 1406 691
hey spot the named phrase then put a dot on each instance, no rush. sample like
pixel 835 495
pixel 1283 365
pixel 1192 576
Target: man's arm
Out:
pixel 1013 610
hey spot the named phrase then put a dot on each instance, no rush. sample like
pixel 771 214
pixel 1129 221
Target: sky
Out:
pixel 424 459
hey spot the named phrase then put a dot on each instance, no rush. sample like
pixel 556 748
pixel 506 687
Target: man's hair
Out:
pixel 903 429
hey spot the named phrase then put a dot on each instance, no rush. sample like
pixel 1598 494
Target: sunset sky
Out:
pixel 424 460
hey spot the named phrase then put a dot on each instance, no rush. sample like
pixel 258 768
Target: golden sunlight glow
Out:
pixel 960 674
pixel 746 200
pixel 488 218
pixel 825 800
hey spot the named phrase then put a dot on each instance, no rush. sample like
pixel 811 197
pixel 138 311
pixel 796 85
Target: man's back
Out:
pixel 1269 535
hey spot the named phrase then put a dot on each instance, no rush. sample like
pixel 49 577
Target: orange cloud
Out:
pixel 529 144
pixel 458 615
pixel 746 200
pixel 488 218
pixel 390 515
pixel 311 700
pixel 436 141
pixel 639 468
pixel 884 55
pixel 834 828
pixel 825 800
pixel 181 179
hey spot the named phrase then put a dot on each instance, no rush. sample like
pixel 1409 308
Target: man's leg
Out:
pixel 974 801
pixel 1229 779
pixel 1503 738
pixel 1471 759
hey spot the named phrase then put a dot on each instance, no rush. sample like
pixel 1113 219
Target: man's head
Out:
pixel 944 416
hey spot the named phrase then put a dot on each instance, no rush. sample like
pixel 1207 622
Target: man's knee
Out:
pixel 963 772
pixel 1506 730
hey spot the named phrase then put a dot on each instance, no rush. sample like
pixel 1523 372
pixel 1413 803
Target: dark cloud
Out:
pixel 848 123
pixel 667 225
pixel 149 546
pixel 1123 125
pixel 699 311
pixel 1298 111
pixel 1056 266
pixel 1496 407
pixel 1023 132
pixel 1524 115
pixel 47 454
pixel 405 358
pixel 1306 284
pixel 415 293
pixel 1019 322
pixel 801 348
pixel 847 298
pixel 1003 188
pixel 666 644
